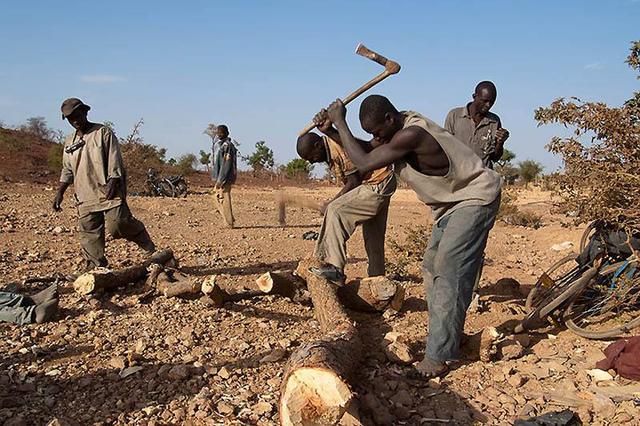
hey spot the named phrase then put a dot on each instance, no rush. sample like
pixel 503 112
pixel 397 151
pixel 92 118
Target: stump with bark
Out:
pixel 373 294
pixel 315 387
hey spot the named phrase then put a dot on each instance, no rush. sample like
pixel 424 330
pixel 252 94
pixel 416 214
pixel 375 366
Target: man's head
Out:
pixel 380 118
pixel 484 97
pixel 310 147
pixel 75 111
pixel 222 131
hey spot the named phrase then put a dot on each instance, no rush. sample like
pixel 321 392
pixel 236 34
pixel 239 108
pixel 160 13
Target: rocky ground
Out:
pixel 114 360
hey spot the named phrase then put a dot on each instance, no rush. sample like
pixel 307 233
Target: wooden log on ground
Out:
pixel 373 294
pixel 101 279
pixel 315 389
pixel 284 283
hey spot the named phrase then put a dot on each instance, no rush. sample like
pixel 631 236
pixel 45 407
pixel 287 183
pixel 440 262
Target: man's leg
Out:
pixel 453 270
pixel 374 231
pixel 122 224
pixel 16 308
pixel 341 218
pixel 227 209
pixel 92 239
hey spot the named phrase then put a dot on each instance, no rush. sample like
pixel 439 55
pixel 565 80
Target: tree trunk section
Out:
pixel 101 279
pixel 314 389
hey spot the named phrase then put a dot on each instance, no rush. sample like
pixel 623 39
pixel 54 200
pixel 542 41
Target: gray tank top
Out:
pixel 468 182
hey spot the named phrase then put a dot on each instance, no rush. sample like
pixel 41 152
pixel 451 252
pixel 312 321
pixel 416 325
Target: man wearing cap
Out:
pixel 92 162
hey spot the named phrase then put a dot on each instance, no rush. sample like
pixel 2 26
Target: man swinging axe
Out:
pixel 363 199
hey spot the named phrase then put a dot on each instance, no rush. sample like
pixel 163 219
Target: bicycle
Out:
pixel 171 186
pixel 592 292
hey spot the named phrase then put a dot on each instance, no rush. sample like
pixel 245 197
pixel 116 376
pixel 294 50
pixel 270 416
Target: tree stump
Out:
pixel 315 389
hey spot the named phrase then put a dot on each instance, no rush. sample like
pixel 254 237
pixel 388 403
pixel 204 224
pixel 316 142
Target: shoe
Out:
pixel 428 369
pixel 330 273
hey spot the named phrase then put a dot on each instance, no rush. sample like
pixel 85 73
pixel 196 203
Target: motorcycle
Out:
pixel 171 186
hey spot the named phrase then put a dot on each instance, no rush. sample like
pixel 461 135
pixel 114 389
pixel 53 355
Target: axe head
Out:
pixel 391 67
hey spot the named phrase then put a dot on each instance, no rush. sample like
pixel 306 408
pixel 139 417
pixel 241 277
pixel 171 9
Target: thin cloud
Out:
pixel 594 66
pixel 102 78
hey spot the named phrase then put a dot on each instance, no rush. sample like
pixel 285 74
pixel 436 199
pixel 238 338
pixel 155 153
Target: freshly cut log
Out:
pixel 315 389
pixel 366 294
pixel 284 283
pixel 101 279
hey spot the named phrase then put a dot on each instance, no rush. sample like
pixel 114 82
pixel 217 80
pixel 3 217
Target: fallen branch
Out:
pixel 101 279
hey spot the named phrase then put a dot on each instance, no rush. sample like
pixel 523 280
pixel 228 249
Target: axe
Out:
pixel 390 68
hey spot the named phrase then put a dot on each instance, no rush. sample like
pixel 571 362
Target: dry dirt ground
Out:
pixel 205 365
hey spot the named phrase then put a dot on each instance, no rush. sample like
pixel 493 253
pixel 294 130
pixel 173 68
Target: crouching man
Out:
pixel 92 162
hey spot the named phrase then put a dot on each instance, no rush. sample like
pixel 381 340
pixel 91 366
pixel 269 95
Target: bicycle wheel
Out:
pixel 586 235
pixel 553 282
pixel 610 305
pixel 167 189
pixel 540 313
pixel 181 189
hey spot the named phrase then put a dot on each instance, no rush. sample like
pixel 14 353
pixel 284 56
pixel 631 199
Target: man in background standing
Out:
pixel 224 173
pixel 477 127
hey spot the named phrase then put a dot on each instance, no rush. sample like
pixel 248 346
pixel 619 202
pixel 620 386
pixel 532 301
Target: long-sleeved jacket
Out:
pixel 90 166
pixel 225 169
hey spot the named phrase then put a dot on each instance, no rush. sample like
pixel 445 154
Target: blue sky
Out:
pixel 264 68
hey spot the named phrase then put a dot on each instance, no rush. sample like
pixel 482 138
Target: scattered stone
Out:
pixel 396 349
pixel 118 362
pixel 562 246
pixel 224 373
pixel 604 406
pixel 224 408
pixel 516 380
pixel 599 375
pixel 488 349
pixel 179 372
pixel 276 355
pixel 130 371
pixel 510 349
pixel 506 287
pixel 262 408
pixel 403 397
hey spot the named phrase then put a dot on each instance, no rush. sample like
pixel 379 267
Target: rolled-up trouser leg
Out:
pixel 344 214
pixel 92 239
pixel 16 308
pixel 452 260
pixel 122 224
pixel 374 231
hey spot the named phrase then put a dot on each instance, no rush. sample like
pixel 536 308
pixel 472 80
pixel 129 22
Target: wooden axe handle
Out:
pixel 368 85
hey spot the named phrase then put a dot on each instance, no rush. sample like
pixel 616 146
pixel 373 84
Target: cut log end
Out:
pixel 314 396
pixel 85 284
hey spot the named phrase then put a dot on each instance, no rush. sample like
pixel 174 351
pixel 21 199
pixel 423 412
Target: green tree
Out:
pixel 187 164
pixel 54 157
pixel 172 162
pixel 507 157
pixel 529 170
pixel 261 159
pixel 205 158
pixel 298 169
pixel 505 168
